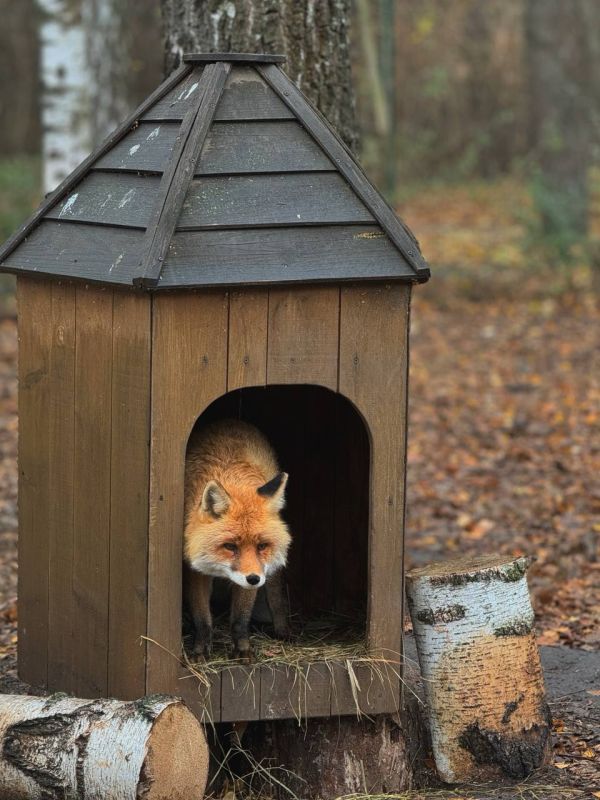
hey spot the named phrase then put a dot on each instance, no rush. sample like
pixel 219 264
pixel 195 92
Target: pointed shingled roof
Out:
pixel 226 175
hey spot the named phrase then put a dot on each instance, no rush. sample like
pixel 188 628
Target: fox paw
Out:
pixel 202 651
pixel 242 653
pixel 283 632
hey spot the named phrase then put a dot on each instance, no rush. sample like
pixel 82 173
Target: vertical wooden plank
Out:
pixel 189 371
pixel 370 690
pixel 93 378
pixel 202 700
pixel 290 692
pixel 61 410
pixel 373 374
pixel 35 336
pixel 303 336
pixel 129 495
pixel 240 693
pixel 248 315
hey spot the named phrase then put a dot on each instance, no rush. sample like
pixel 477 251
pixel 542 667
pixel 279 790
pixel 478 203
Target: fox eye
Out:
pixel 230 546
pixel 262 546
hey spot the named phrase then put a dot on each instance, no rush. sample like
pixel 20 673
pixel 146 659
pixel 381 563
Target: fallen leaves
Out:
pixel 504 446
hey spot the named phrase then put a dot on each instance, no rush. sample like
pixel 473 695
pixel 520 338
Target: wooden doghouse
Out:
pixel 222 250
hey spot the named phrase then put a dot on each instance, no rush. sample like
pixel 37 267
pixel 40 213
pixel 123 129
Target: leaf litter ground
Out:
pixel 504 446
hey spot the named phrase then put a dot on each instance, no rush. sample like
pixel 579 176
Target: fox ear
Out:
pixel 215 500
pixel 275 490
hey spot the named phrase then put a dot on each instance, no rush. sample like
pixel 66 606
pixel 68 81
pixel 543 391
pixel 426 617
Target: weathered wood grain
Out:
pixel 189 370
pixel 260 147
pixel 35 344
pixel 61 410
pixel 374 343
pixel 147 148
pixel 92 489
pixel 110 198
pixel 75 177
pixel 177 176
pixel 240 693
pixel 273 256
pixel 247 352
pixel 289 199
pixel 176 103
pixel 130 431
pixel 259 58
pixel 344 161
pixel 246 96
pixel 303 336
pixel 89 252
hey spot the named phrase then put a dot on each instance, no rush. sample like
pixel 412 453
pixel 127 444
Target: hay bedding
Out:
pixel 328 639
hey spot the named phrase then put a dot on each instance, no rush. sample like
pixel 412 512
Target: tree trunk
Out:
pixel 480 664
pixel 337 756
pixel 86 76
pixel 19 68
pixel 107 61
pixel 313 35
pixel 66 129
pixel 562 94
pixel 60 748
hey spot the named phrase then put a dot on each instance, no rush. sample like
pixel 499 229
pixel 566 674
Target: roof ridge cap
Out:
pixel 177 181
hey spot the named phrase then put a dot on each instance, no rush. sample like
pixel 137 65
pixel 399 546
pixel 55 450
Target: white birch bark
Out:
pixel 84 85
pixel 66 129
pixel 62 747
pixel 473 625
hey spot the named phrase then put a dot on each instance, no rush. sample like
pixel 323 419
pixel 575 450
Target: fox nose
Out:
pixel 253 579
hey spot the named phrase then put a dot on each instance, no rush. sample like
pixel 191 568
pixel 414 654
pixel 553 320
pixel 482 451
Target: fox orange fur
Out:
pixel 234 492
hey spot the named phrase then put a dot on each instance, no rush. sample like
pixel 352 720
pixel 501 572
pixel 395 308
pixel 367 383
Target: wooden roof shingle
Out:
pixel 225 176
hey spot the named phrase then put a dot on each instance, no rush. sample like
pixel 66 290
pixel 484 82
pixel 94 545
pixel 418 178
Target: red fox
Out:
pixel 234 491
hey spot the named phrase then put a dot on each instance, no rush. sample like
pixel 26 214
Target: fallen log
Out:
pixel 69 749
pixel 473 625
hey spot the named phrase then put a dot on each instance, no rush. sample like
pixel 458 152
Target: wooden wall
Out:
pixel 111 384
pixel 84 371
pixel 351 340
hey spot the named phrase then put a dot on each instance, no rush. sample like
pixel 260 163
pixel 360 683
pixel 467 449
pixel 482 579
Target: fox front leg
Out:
pixel 198 591
pixel 242 603
pixel 275 589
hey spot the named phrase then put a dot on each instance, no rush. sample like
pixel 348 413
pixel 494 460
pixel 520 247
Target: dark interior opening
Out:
pixel 322 442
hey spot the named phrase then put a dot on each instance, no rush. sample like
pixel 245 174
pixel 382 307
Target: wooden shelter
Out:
pixel 221 253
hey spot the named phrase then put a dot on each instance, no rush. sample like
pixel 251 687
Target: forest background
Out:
pixel 481 123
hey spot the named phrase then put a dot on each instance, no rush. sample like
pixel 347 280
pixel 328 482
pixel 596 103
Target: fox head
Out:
pixel 237 532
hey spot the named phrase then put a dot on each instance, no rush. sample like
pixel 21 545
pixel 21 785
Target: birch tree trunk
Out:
pixel 84 66
pixel 61 748
pixel 473 625
pixel 66 129
pixel 313 34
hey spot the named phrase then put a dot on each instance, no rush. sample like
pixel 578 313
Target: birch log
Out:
pixel 68 749
pixel 473 625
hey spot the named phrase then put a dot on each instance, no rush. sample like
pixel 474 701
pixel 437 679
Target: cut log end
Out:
pixel 151 749
pixel 176 764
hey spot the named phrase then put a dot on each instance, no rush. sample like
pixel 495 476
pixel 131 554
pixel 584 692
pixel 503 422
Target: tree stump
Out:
pixel 337 756
pixel 473 625
pixel 68 749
